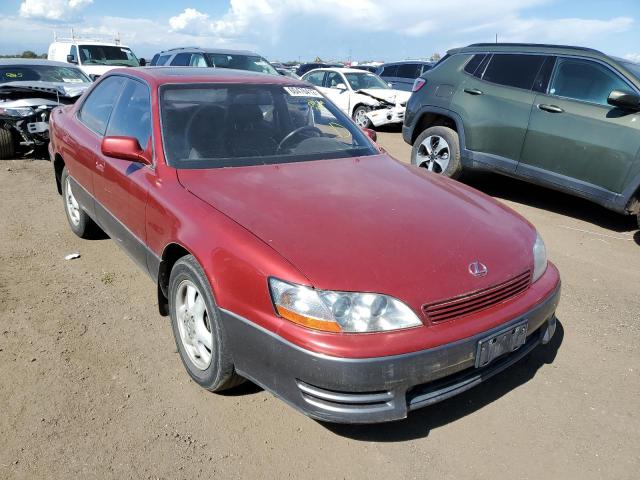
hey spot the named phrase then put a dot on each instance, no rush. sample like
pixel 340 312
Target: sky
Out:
pixel 383 30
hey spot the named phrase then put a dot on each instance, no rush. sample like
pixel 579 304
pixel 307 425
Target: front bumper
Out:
pixel 386 116
pixel 371 390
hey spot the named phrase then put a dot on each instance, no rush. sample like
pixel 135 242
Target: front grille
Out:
pixel 474 302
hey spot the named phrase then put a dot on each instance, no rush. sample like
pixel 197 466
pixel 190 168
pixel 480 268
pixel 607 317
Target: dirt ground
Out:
pixel 91 385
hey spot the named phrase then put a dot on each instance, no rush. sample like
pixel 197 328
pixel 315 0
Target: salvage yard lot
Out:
pixel 92 386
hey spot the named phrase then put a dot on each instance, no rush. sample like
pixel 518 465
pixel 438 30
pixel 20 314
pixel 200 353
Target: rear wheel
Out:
pixel 7 147
pixel 80 223
pixel 197 329
pixel 437 149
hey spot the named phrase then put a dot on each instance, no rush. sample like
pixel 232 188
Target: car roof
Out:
pixel 404 62
pixel 337 69
pixel 172 75
pixel 33 62
pixel 530 48
pixel 224 51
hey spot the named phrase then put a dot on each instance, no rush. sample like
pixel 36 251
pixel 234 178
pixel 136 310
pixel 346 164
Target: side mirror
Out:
pixel 71 59
pixel 625 100
pixel 142 62
pixel 341 86
pixel 371 134
pixel 125 148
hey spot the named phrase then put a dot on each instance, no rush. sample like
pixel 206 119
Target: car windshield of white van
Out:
pixel 107 55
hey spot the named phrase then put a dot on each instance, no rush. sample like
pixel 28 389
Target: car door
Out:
pixel 121 186
pixel 338 90
pixel 494 100
pixel 92 118
pixel 575 138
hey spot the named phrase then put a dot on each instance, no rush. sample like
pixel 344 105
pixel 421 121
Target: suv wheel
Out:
pixel 438 150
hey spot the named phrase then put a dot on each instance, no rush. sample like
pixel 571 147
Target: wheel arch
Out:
pixel 58 166
pixel 435 118
pixel 170 255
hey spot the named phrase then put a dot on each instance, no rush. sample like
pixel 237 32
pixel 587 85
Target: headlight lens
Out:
pixel 340 311
pixel 16 111
pixel 539 258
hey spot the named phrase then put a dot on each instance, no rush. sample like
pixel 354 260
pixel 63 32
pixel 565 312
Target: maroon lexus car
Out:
pixel 289 250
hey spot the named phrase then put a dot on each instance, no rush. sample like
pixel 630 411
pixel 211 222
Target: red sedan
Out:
pixel 290 251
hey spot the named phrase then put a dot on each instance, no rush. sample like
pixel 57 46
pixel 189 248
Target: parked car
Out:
pixel 305 67
pixel 562 117
pixel 287 73
pixel 363 96
pixel 93 57
pixel 288 249
pixel 213 57
pixel 367 68
pixel 29 90
pixel 401 75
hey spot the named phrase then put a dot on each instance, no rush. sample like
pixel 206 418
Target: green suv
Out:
pixel 564 117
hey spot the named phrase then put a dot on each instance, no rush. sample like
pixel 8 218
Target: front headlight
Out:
pixel 539 258
pixel 16 111
pixel 340 311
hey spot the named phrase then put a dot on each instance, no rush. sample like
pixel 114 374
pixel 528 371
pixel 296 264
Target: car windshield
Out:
pixel 363 80
pixel 42 73
pixel 214 126
pixel 253 63
pixel 107 55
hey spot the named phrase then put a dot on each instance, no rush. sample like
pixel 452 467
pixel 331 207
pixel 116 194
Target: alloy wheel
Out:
pixel 194 324
pixel 433 154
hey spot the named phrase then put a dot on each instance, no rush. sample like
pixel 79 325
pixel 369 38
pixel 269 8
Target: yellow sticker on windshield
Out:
pixel 13 75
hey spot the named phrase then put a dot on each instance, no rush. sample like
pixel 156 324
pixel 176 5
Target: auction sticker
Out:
pixel 302 92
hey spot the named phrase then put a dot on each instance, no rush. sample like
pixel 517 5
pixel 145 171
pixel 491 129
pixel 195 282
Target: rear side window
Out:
pixel 472 65
pixel 389 71
pixel 585 80
pixel 181 60
pixel 315 78
pixel 132 115
pixel 96 109
pixel 409 70
pixel 513 70
pixel 162 60
pixel 197 60
pixel 542 80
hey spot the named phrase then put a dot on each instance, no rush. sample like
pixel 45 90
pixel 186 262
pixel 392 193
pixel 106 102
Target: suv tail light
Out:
pixel 418 84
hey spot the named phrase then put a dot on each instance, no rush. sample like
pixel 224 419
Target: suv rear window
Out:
pixel 409 70
pixel 513 70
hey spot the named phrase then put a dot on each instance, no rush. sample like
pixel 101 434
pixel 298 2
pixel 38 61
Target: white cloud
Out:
pixel 56 10
pixel 634 57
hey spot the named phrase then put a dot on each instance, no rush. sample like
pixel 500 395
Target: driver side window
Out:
pixel 316 78
pixel 585 80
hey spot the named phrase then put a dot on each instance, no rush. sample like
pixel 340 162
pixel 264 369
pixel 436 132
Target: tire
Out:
pixel 218 373
pixel 360 118
pixel 7 147
pixel 79 221
pixel 435 160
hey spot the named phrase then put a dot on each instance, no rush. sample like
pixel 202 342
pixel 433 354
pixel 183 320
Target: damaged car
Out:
pixel 362 95
pixel 29 91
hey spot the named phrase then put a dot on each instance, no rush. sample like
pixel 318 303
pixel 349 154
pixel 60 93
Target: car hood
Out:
pixel 98 69
pixel 372 224
pixel 62 89
pixel 388 95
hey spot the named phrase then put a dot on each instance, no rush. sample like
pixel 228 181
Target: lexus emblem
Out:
pixel 478 269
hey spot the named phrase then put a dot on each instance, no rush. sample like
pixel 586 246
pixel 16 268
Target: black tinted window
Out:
pixel 181 60
pixel 542 80
pixel 513 70
pixel 473 64
pixel 585 80
pixel 409 70
pixel 95 111
pixel 132 115
pixel 390 71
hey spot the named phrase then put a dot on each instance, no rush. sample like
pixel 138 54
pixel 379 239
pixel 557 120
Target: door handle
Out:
pixel 550 108
pixel 473 91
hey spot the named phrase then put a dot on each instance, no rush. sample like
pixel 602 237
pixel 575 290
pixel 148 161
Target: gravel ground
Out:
pixel 92 387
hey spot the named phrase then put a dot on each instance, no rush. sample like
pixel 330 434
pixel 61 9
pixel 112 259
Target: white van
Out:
pixel 93 57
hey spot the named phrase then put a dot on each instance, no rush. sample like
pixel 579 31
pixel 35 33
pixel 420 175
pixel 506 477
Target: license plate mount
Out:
pixel 500 343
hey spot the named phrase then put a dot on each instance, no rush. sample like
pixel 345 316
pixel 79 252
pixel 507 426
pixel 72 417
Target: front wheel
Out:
pixel 360 116
pixel 437 149
pixel 7 147
pixel 80 223
pixel 197 329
